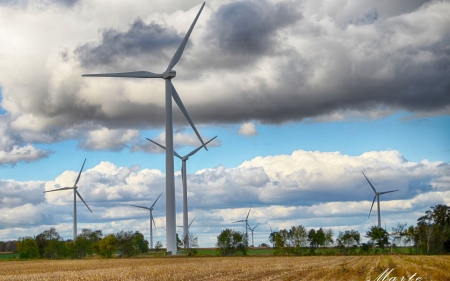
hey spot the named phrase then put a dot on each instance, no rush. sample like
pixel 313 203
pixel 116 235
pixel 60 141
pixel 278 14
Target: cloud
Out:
pixel 284 190
pixel 106 139
pixel 140 42
pixel 13 148
pixel 272 62
pixel 247 129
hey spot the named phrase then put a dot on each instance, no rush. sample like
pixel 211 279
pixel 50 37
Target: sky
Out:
pixel 303 97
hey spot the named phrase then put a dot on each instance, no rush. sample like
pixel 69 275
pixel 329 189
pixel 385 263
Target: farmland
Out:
pixel 231 268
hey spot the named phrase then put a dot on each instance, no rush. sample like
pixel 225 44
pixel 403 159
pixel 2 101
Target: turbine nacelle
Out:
pixel 169 74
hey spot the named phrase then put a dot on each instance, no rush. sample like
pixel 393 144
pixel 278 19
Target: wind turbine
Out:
pixel 170 93
pixel 246 223
pixel 377 196
pixel 252 230
pixel 183 175
pixel 186 237
pixel 75 194
pixel 151 219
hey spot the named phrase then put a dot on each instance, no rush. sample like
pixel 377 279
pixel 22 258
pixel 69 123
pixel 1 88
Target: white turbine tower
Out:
pixel 151 219
pixel 252 230
pixel 75 194
pixel 170 93
pixel 377 196
pixel 184 177
pixel 247 226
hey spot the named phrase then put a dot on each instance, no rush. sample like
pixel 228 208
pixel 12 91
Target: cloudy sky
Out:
pixel 303 96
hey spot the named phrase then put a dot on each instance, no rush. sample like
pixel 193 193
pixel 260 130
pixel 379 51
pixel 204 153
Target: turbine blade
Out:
pixel 82 200
pixel 163 147
pixel 179 52
pixel 256 226
pixel 178 101
pixel 270 228
pixel 198 148
pixel 374 190
pixel 164 228
pixel 63 188
pixel 372 206
pixel 248 213
pixel 387 192
pixel 156 200
pixel 154 223
pixel 191 222
pixel 238 221
pixel 133 74
pixel 141 207
pixel 79 174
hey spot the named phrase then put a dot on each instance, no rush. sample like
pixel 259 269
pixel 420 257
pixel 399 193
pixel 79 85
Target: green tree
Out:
pixel 316 239
pixel 347 239
pixel 106 246
pixel 124 243
pixel 230 242
pixel 378 236
pixel 27 248
pixel 179 242
pixel 139 243
pixel 298 238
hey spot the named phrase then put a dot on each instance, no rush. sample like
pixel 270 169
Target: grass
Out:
pixel 232 268
pixel 6 256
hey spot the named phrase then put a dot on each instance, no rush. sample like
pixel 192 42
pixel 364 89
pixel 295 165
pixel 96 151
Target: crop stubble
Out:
pixel 230 268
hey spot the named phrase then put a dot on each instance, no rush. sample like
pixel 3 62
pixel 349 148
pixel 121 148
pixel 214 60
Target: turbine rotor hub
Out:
pixel 169 74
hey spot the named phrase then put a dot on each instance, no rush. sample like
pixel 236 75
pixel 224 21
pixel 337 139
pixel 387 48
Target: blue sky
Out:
pixel 303 97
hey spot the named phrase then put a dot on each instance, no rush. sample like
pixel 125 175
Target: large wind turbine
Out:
pixel 377 196
pixel 247 226
pixel 252 230
pixel 75 194
pixel 183 175
pixel 151 219
pixel 170 93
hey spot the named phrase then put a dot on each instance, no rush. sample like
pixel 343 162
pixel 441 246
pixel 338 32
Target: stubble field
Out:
pixel 232 268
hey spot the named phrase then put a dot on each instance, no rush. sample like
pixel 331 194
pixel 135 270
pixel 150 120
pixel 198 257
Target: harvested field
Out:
pixel 232 268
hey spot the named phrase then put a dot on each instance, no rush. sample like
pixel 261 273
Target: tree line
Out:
pixel 49 244
pixel 431 235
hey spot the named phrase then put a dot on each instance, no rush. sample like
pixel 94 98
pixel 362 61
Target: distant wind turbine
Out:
pixel 184 178
pixel 151 219
pixel 167 75
pixel 75 194
pixel 377 196
pixel 247 226
pixel 252 230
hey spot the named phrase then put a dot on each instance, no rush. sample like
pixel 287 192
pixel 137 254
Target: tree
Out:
pixel 316 239
pixel 139 243
pixel 179 242
pixel 50 244
pixel 347 239
pixel 397 234
pixel 193 243
pixel 298 237
pixel 427 223
pixel 231 242
pixel 378 236
pixel 124 242
pixel 409 236
pixel 27 248
pixel 158 246
pixel 107 245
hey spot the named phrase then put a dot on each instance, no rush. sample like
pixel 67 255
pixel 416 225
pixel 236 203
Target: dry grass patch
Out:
pixel 230 268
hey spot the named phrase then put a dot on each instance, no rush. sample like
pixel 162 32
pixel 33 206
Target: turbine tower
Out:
pixel 252 230
pixel 377 196
pixel 75 194
pixel 151 219
pixel 167 75
pixel 184 177
pixel 247 226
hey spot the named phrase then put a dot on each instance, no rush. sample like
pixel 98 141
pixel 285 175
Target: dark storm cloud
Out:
pixel 66 3
pixel 250 27
pixel 140 41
